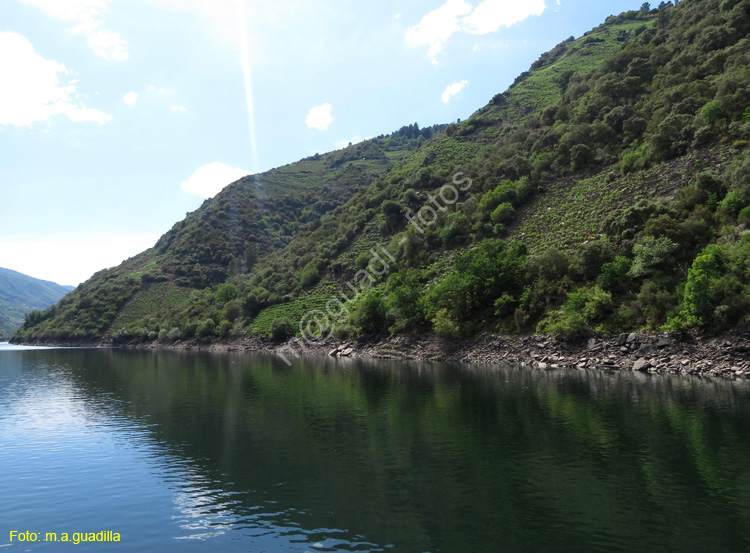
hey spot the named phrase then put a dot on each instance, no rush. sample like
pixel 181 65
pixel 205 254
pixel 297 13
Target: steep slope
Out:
pixel 226 236
pixel 606 190
pixel 20 294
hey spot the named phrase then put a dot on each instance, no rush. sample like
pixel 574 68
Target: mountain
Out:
pixel 21 294
pixel 607 190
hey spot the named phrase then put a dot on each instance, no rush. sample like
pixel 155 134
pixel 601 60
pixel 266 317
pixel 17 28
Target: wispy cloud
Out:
pixel 87 18
pixel 437 26
pixel 452 89
pixel 32 90
pixel 179 108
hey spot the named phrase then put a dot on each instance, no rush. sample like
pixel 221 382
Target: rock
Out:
pixel 663 342
pixel 346 352
pixel 623 349
pixel 333 352
pixel 631 338
pixel 685 362
pixel 645 348
pixel 622 339
pixel 641 365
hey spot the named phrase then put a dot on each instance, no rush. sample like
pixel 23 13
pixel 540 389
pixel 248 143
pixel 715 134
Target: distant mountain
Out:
pixel 21 294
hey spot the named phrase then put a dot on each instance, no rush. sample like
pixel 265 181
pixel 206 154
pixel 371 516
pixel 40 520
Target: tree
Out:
pixel 370 313
pixel 282 328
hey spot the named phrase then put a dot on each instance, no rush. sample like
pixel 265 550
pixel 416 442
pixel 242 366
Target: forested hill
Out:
pixel 608 189
pixel 20 294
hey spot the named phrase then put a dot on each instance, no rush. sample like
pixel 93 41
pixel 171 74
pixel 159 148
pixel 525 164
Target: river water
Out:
pixel 184 451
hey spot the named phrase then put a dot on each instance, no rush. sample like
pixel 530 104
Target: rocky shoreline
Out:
pixel 726 356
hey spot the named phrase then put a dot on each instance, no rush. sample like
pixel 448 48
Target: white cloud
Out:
pixel 210 179
pixel 354 140
pixel 109 45
pixel 437 26
pixel 456 15
pixel 490 15
pixel 179 108
pixel 32 90
pixel 453 89
pixel 69 259
pixel 87 17
pixel 130 98
pixel 319 117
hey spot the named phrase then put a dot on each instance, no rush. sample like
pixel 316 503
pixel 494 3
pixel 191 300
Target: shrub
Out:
pixel 592 256
pixel 225 329
pixel 226 293
pixel 552 264
pixel 163 334
pixel 700 291
pixel 503 193
pixel 581 312
pixel 282 328
pixel 443 325
pixel 206 329
pixel 503 214
pixel 174 334
pixel 614 275
pixel 370 313
pixel 404 290
pixel 651 256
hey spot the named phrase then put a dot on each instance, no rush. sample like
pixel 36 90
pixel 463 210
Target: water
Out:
pixel 234 452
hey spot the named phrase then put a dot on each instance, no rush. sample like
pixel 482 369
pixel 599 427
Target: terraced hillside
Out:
pixel 608 189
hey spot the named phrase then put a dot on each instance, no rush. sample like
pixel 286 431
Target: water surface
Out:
pixel 181 451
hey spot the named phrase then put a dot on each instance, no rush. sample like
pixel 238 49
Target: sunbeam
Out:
pixel 247 75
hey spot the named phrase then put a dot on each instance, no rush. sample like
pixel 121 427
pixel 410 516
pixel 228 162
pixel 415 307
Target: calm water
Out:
pixel 193 452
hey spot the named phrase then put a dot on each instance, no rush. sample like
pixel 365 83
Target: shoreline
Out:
pixel 726 355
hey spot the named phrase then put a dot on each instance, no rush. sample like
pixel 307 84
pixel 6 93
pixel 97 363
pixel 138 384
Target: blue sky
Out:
pixel 119 116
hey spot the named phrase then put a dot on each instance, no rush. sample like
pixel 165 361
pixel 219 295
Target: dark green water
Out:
pixel 197 452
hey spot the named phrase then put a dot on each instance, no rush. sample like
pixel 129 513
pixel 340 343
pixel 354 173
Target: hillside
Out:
pixel 607 190
pixel 21 294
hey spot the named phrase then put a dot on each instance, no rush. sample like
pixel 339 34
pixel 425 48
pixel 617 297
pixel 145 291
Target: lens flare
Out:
pixel 247 74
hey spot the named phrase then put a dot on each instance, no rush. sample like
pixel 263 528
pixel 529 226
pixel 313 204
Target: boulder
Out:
pixel 641 365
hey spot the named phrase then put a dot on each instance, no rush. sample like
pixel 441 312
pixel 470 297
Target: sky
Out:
pixel 118 117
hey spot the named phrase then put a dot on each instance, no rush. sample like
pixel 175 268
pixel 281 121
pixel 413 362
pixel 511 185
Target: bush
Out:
pixel 592 256
pixel 614 275
pixel 443 325
pixel 226 293
pixel 174 334
pixel 503 214
pixel 370 313
pixel 282 328
pixel 206 329
pixel 701 296
pixel 503 193
pixel 651 256
pixel 581 312
pixel 552 264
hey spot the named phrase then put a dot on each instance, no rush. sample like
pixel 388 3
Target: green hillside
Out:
pixel 607 190
pixel 21 294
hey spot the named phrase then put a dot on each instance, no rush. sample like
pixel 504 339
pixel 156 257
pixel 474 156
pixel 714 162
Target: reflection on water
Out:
pixel 179 451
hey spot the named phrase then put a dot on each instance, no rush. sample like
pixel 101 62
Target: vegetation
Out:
pixel 607 190
pixel 21 294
